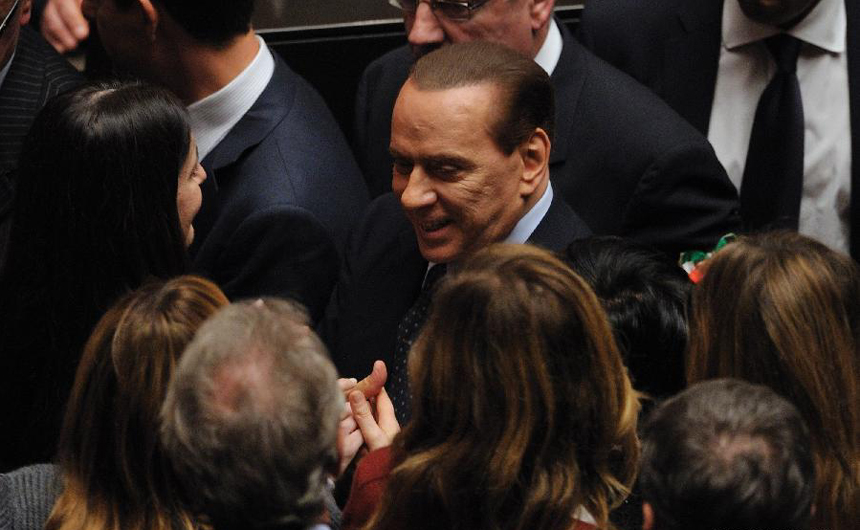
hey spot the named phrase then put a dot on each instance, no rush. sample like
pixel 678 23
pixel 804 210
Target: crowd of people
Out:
pixel 506 303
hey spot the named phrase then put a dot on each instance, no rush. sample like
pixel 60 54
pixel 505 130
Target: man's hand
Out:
pixel 379 429
pixel 349 437
pixel 370 385
pixel 63 24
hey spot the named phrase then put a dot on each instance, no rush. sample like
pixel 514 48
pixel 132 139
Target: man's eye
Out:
pixel 446 171
pixel 402 167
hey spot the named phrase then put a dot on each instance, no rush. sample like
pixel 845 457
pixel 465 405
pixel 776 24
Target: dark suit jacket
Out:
pixel 673 47
pixel 382 275
pixel 621 158
pixel 37 73
pixel 283 189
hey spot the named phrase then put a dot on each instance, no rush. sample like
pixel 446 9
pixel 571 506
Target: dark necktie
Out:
pixel 773 176
pixel 407 331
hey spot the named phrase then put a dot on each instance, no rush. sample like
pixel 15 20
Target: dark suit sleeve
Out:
pixel 280 251
pixel 684 201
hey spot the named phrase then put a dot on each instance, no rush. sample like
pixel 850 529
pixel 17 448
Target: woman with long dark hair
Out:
pixel 108 183
pixel 523 415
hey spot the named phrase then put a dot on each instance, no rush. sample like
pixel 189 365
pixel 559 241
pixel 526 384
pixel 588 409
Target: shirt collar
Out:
pixel 824 26
pixel 213 116
pixel 550 52
pixel 5 69
pixel 530 221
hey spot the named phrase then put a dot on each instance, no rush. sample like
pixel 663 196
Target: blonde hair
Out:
pixel 114 472
pixel 783 310
pixel 522 410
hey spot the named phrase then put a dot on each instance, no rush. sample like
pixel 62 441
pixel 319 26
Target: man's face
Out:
pixel 459 190
pixel 508 22
pixel 9 38
pixel 780 13
pixel 122 31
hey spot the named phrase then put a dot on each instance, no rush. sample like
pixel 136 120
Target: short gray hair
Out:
pixel 250 419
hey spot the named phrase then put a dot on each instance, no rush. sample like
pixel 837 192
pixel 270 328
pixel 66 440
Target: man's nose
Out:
pixel 419 191
pixel 425 28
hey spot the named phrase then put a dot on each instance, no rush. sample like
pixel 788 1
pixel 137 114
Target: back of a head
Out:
pixel 645 297
pixel 523 411
pixel 95 207
pixel 526 94
pixel 251 418
pixel 783 310
pixel 727 454
pixel 114 472
pixel 213 22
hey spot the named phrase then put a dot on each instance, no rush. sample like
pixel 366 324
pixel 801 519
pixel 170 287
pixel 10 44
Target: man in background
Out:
pixel 282 187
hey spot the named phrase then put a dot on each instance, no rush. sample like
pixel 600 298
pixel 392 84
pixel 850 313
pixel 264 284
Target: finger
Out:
pixel 374 437
pixel 71 15
pixel 346 385
pixel 373 383
pixel 385 414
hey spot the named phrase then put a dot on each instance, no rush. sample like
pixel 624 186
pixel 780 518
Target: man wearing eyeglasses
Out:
pixel 30 73
pixel 625 162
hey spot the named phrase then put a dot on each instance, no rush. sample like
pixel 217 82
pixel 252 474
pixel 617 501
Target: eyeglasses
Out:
pixel 9 16
pixel 450 9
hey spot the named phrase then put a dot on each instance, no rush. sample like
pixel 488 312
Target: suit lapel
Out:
pixel 692 56
pixel 852 8
pixel 265 114
pixel 558 227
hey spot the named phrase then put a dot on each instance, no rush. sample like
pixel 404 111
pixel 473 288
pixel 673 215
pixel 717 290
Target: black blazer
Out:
pixel 282 191
pixel 621 158
pixel 36 74
pixel 673 47
pixel 382 275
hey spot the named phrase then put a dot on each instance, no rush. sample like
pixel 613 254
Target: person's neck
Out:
pixel 195 70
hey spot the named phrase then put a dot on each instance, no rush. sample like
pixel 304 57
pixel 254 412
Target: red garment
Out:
pixel 368 484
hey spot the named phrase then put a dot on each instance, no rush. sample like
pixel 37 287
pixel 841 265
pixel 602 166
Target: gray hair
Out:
pixel 250 419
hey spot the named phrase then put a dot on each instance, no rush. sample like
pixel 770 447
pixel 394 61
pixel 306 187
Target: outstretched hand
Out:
pixel 350 435
pixel 378 427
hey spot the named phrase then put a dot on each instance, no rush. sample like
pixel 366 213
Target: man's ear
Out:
pixel 535 157
pixel 26 10
pixel 151 17
pixel 540 12
pixel 647 517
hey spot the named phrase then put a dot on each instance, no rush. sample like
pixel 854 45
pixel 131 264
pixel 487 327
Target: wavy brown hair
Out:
pixel 783 310
pixel 522 410
pixel 115 475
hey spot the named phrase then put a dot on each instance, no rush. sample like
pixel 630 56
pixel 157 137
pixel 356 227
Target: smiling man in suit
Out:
pixel 624 161
pixel 714 62
pixel 471 141
pixel 283 187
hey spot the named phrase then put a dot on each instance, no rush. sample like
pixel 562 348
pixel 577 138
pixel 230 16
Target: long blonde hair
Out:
pixel 783 310
pixel 114 473
pixel 522 408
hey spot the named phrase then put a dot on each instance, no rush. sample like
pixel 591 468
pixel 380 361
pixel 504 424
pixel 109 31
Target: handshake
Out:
pixel 368 421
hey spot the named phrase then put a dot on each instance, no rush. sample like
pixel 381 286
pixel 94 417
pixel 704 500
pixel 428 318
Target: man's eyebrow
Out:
pixel 448 160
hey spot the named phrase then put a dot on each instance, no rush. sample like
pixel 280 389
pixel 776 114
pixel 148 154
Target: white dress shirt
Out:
pixel 745 69
pixel 213 116
pixel 550 51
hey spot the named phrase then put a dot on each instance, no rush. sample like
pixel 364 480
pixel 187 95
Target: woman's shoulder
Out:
pixel 27 496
